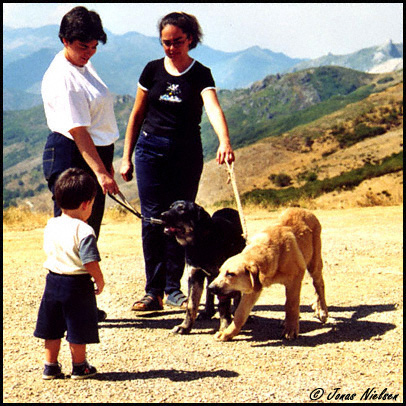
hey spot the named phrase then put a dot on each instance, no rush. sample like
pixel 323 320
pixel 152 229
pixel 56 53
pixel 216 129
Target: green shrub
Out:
pixel 385 80
pixel 281 180
pixel 361 131
pixel 313 189
pixel 311 177
pixel 307 176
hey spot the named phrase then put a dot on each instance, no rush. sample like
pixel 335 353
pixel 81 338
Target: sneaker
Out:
pixel 176 299
pixel 52 371
pixel 83 371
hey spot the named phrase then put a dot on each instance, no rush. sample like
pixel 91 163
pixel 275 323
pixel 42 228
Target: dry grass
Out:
pixel 24 219
pixel 383 191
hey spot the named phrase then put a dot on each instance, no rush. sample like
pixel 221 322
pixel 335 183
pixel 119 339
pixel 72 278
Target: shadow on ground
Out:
pixel 171 374
pixel 345 324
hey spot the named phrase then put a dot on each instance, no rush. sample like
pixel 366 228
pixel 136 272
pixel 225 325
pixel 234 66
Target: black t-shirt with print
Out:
pixel 174 102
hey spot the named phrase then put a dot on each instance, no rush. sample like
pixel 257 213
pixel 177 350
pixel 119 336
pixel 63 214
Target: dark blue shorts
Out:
pixel 68 304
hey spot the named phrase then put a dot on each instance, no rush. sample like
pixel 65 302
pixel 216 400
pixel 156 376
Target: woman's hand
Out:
pixel 105 176
pixel 225 154
pixel 126 170
pixel 107 183
pixel 131 135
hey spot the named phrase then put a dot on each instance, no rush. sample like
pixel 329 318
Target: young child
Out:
pixel 69 302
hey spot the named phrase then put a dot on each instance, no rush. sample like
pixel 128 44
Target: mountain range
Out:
pixel 371 60
pixel 28 52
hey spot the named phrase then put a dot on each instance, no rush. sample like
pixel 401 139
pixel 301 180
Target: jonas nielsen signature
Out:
pixel 369 394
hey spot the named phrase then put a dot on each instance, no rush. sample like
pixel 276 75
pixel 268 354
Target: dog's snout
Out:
pixel 214 288
pixel 167 216
pixel 163 218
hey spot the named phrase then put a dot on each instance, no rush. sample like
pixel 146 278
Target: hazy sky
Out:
pixel 298 30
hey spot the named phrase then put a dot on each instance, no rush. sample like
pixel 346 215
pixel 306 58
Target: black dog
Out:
pixel 208 242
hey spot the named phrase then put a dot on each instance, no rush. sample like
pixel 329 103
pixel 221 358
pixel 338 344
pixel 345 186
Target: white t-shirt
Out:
pixel 75 96
pixel 66 244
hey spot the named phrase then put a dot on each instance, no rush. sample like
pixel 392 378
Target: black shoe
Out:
pixel 52 371
pixel 83 371
pixel 101 315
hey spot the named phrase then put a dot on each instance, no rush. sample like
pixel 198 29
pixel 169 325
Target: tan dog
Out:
pixel 279 254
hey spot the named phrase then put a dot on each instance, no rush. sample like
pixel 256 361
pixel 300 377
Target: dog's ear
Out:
pixel 253 271
pixel 202 217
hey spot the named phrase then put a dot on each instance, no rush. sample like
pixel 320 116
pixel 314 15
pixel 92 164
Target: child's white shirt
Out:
pixel 69 243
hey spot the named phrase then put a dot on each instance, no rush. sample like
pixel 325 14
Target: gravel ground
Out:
pixel 359 350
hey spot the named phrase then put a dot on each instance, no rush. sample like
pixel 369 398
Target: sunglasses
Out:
pixel 176 43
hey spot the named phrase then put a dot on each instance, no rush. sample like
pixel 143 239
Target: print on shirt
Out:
pixel 172 94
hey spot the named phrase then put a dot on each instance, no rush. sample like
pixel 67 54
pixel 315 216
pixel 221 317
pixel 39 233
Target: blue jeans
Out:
pixel 61 153
pixel 168 169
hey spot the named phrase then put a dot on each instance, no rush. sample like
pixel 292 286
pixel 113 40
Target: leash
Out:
pixel 231 174
pixel 123 202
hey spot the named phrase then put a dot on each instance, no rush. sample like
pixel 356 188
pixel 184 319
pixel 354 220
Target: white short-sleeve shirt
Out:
pixel 63 236
pixel 75 96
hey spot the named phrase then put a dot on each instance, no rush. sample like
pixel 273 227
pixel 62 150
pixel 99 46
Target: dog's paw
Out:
pixel 224 323
pixel 322 316
pixel 222 336
pixel 180 330
pixel 319 313
pixel 290 333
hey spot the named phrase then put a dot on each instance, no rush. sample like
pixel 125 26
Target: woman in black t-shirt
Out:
pixel 164 129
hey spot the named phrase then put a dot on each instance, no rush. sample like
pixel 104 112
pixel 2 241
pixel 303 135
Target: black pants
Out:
pixel 168 169
pixel 61 153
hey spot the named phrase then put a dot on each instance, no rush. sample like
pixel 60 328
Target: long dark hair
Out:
pixel 187 23
pixel 83 25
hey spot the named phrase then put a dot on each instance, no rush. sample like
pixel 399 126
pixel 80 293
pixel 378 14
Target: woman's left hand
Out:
pixel 225 153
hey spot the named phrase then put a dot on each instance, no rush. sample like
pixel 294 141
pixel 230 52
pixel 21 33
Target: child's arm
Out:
pixel 94 270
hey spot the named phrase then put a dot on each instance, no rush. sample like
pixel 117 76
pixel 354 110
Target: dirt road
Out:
pixel 359 350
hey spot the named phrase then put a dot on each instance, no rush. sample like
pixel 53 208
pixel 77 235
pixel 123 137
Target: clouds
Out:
pixel 303 30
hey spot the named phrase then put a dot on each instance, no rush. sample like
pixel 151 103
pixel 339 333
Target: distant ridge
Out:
pixel 27 52
pixel 363 60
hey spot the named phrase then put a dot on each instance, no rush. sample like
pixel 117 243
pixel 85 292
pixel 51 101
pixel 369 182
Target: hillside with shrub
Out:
pixel 294 113
pixel 352 157
pixel 280 103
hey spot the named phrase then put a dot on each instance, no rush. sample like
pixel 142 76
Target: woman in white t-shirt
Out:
pixel 79 110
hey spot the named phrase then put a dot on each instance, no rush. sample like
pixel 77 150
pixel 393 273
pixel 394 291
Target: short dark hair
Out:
pixel 83 25
pixel 187 23
pixel 73 187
